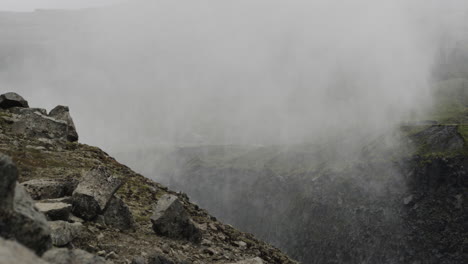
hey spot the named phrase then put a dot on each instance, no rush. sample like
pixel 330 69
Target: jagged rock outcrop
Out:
pixel 35 124
pixel 40 189
pixel 74 256
pixel 172 220
pixel 9 100
pixel 63 113
pixel 63 232
pixel 15 253
pixel 94 192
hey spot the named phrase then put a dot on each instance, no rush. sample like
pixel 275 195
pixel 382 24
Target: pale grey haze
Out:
pixel 232 72
pixel 29 5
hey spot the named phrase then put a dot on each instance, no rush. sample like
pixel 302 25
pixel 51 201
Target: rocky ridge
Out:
pixel 88 208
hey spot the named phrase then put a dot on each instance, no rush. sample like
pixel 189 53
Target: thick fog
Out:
pixel 147 73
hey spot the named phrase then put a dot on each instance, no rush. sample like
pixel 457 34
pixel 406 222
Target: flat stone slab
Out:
pixel 55 211
pixel 41 189
pixel 94 192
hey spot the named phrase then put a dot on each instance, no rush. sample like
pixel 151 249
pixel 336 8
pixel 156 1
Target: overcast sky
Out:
pixel 30 5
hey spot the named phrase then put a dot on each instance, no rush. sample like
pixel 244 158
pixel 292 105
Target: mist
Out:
pixel 145 73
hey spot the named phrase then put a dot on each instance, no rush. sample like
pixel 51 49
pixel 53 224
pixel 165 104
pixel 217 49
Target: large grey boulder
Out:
pixel 74 256
pixel 40 189
pixel 94 192
pixel 63 113
pixel 28 225
pixel 14 253
pixel 118 215
pixel 19 219
pixel 37 125
pixel 8 177
pixel 9 100
pixel 63 232
pixel 170 219
pixel 55 211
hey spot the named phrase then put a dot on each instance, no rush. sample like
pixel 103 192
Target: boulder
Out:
pixel 37 125
pixel 118 215
pixel 74 256
pixel 158 258
pixel 63 113
pixel 40 189
pixel 55 211
pixel 170 219
pixel 63 232
pixel 9 100
pixel 26 224
pixel 14 253
pixel 19 219
pixel 94 192
pixel 250 261
pixel 8 177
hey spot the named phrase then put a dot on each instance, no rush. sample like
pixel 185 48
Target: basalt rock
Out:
pixel 170 219
pixel 74 256
pixel 9 100
pixel 63 113
pixel 15 253
pixel 94 192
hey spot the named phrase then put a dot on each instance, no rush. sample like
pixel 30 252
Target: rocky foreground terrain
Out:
pixel 62 202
